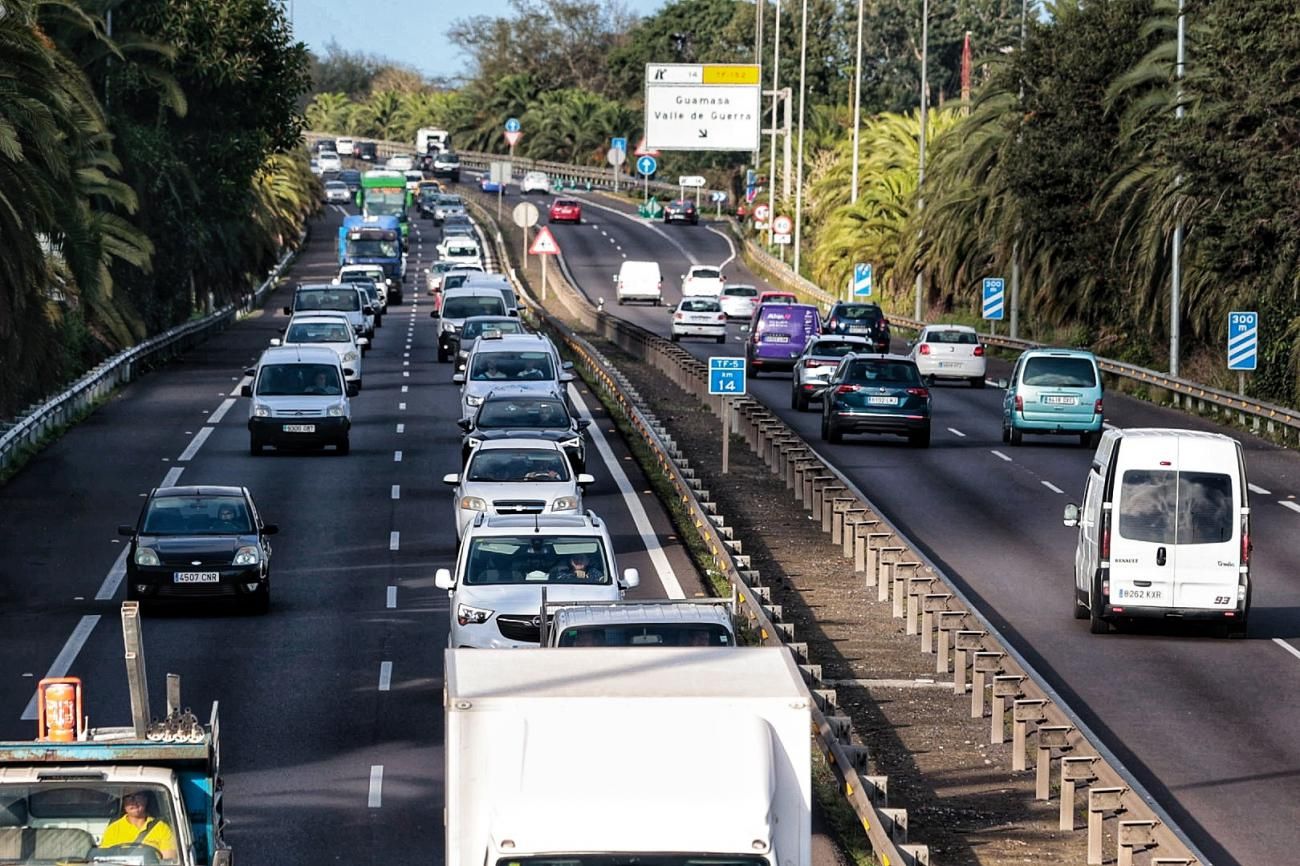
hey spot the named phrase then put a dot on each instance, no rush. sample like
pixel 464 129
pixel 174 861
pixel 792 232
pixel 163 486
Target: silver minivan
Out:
pixel 299 400
pixel 1164 530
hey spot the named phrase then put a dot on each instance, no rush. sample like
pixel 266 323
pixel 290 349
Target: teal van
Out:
pixel 1054 391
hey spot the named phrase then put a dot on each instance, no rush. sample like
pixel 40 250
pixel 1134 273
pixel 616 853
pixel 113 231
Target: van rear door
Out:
pixel 1175 527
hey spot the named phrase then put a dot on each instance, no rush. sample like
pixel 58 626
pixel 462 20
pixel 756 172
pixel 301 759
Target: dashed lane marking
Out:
pixel 1286 503
pixel 390 598
pixel 1286 646
pixel 195 444
pixel 173 475
pixel 401 428
pixel 954 431
pixel 1255 488
pixel 1052 487
pixel 63 661
pixel 385 676
pixel 394 540
pixel 215 417
pixel 397 456
pixel 401 407
pixel 397 491
pixel 1000 456
pixel 376 796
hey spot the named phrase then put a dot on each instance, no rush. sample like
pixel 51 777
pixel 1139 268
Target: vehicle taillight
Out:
pixel 979 351
pixel 1105 542
pixel 846 389
pixel 1020 403
pixel 677 316
pixel 722 317
pixel 1096 408
pixel 810 362
pixel 924 349
pixel 919 392
pixel 1245 542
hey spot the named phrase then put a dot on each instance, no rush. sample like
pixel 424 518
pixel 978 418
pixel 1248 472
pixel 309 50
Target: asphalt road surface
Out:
pixel 1210 727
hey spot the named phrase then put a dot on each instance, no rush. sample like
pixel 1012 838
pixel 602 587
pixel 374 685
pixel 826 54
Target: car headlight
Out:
pixel 262 411
pixel 145 556
pixel 448 328
pixel 336 411
pixel 349 356
pixel 473 400
pixel 473 503
pixel 467 615
pixel 565 503
pixel 248 556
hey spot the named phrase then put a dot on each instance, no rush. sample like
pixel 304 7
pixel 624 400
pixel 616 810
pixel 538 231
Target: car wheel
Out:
pixel 801 401
pixel 1096 625
pixel 977 382
pixel 1015 437
pixel 919 438
pixel 344 445
pixel 929 381
pixel 620 302
pixel 254 446
pixel 1080 608
pixel 359 385
pixel 833 433
pixel 442 355
pixel 1006 435
pixel 1089 439
pixel 677 338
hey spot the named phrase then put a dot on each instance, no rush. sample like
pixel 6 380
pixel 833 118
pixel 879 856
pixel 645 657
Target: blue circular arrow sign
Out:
pixel 647 165
pixel 512 125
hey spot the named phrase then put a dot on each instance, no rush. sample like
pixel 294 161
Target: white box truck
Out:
pixel 613 755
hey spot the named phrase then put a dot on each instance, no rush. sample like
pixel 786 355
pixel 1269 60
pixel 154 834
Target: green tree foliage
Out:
pixel 573 126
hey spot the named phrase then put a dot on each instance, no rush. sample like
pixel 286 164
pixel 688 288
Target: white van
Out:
pixel 299 399
pixel 1164 530
pixel 639 281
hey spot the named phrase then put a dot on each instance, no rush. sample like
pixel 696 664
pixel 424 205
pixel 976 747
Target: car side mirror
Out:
pixel 1001 383
pixel 566 365
pixel 353 389
pixel 566 377
pixel 270 529
pixel 584 479
pixel 583 423
pixel 250 371
pixel 433 315
pixel 1071 517
pixel 129 531
pixel 458 378
pixel 631 578
pixel 514 313
pixel 246 390
pixel 451 479
pixel 288 311
pixel 368 310
pixel 442 579
pixel 464 424
pixel 275 341
pixel 363 341
pixel 671 308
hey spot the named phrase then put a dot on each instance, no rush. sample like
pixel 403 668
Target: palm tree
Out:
pixel 330 112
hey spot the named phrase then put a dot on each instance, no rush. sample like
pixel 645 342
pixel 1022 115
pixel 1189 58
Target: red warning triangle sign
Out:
pixel 642 150
pixel 544 244
pixel 512 138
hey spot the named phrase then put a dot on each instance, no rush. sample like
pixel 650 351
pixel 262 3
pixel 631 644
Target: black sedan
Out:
pixel 876 394
pixel 507 416
pixel 200 543
pixel 681 210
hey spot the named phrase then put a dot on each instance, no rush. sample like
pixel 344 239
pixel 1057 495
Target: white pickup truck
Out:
pixel 620 755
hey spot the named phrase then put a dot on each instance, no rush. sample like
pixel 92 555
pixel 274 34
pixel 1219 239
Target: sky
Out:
pixel 411 32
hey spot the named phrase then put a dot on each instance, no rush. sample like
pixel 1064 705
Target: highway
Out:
pixel 1208 726
pixel 331 705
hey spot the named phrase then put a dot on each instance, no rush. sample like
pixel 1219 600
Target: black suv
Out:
pixel 859 320
pixel 532 416
pixel 683 210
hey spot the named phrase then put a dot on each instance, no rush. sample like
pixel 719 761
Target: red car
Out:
pixel 566 210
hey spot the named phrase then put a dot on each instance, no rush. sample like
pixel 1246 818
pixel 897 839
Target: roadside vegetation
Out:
pixel 148 172
pixel 1065 155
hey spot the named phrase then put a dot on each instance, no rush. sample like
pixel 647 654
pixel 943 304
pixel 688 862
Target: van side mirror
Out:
pixel 368 310
pixel 631 578
pixel 270 528
pixel 433 314
pixel 512 312
pixel 246 390
pixel 465 424
pixel 566 365
pixel 442 579
pixel 1071 517
pixel 363 342
pixel 458 378
pixel 583 423
pixel 566 377
pixel 452 479
pixel 584 479
pixel 275 341
pixel 288 311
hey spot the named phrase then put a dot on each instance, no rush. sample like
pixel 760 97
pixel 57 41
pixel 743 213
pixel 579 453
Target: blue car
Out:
pixel 876 394
pixel 488 185
pixel 1055 392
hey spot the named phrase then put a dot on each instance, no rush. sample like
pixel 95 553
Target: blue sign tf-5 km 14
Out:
pixel 647 165
pixel 862 280
pixel 1243 340
pixel 726 376
pixel 994 298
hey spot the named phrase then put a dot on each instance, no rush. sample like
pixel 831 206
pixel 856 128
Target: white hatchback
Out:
pixel 401 162
pixel 535 181
pixel 950 352
pixel 515 476
pixel 699 317
pixel 703 280
pixel 739 302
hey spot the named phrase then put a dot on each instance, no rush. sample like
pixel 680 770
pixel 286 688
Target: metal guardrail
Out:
pixel 934 609
pixel 31 426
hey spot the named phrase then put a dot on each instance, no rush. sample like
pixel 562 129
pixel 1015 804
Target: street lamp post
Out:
pixel 798 176
pixel 857 108
pixel 1015 244
pixel 1176 259
pixel 771 162
pixel 925 100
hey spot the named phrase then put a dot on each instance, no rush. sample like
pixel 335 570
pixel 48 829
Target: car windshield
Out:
pixel 649 634
pixel 380 249
pixel 386 202
pixel 535 413
pixel 319 332
pixel 964 338
pixel 565 202
pixel 449 158
pixel 699 305
pixel 361 276
pixel 61 822
pixel 867 312
pixel 345 300
pixel 350 176
pixel 1167 507
pixel 336 184
pixel 458 252
pixel 196 515
pixel 473 305
pixel 706 274
pixel 741 291
pixel 512 365
pixel 501 326
pixel 872 372
pixel 834 348
pixel 536 559
pixel 1048 371
pixel 517 465
pixel 450 200
pixel 280 380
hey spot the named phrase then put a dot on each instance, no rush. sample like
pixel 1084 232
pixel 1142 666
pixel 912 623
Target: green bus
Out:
pixel 384 193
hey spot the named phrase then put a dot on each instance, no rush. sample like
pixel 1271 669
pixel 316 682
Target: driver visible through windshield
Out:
pixel 108 822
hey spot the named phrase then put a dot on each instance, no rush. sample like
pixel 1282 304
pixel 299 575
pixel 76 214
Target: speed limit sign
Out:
pixel 782 225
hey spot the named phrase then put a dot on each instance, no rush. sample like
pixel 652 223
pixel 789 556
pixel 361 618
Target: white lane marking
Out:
pixel 1255 488
pixel 1286 503
pixel 390 598
pixel 401 407
pixel 1286 646
pixel 404 354
pixel 385 676
pixel 1052 487
pixel 173 475
pixel 1108 425
pixel 651 226
pixel 731 246
pixel 63 661
pixel 394 540
pixel 195 444
pixel 113 579
pixel 954 431
pixel 406 363
pixel 215 417
pixel 401 428
pixel 247 380
pixel 663 568
pixel 397 456
pixel 397 491
pixel 1000 455
pixel 376 797
pixel 406 373
pixel 405 388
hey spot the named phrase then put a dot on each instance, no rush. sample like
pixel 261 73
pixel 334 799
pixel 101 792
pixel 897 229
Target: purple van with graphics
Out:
pixel 778 334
